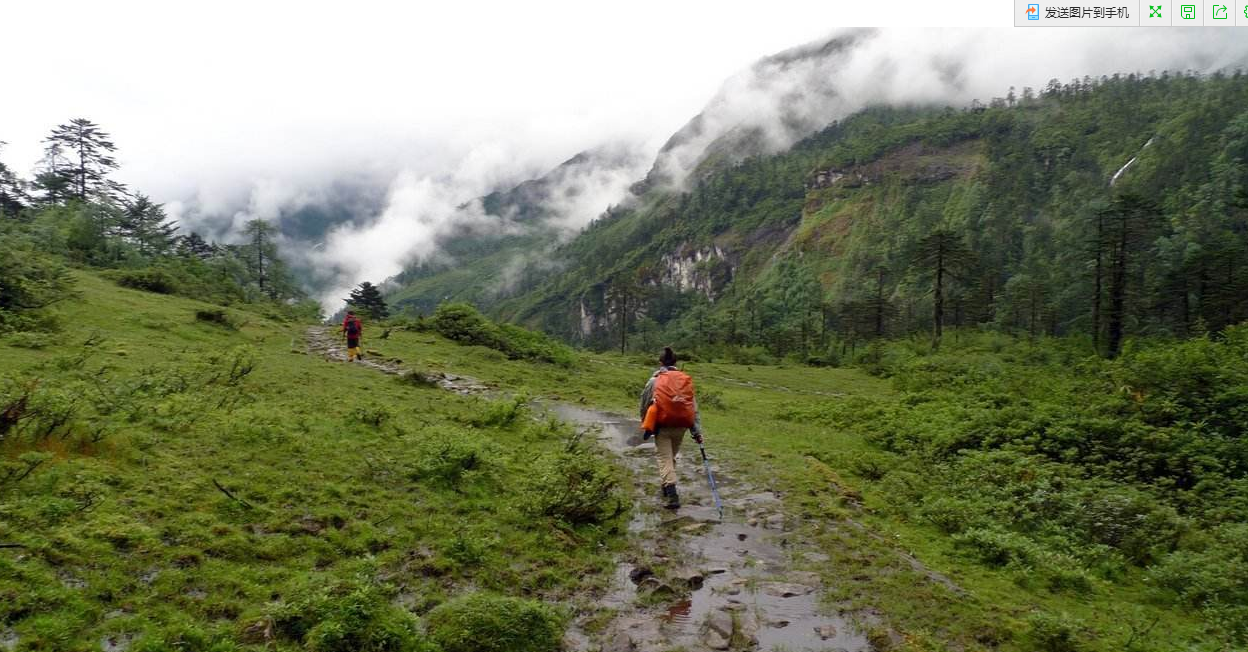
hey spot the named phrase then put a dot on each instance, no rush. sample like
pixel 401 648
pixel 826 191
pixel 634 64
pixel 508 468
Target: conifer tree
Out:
pixel 145 225
pixel 80 156
pixel 366 298
pixel 51 180
pixel 1129 221
pixel 261 255
pixel 194 245
pixel 943 254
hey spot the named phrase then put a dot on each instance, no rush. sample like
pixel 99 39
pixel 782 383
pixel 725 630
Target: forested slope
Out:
pixel 1135 185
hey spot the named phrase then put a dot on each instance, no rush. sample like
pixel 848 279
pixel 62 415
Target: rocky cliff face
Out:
pixel 590 321
pixel 703 270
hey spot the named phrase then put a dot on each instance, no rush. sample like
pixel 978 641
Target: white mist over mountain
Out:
pixel 394 118
pixel 792 94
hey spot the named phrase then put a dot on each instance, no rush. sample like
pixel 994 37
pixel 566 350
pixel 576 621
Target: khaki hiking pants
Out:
pixel 667 445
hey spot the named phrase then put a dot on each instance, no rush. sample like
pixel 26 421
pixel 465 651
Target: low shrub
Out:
pixel 576 487
pixel 30 340
pixel 351 616
pixel 148 280
pixel 520 343
pixel 418 378
pixel 502 413
pixel 997 547
pixel 711 398
pixel 372 415
pixel 1055 633
pixel 481 622
pixel 952 515
pixel 1212 576
pixel 462 323
pixel 467 549
pixel 29 282
pixel 1067 578
pixel 217 317
pixel 452 458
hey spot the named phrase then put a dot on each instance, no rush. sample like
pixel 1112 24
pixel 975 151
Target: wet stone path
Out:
pixel 698 583
pixel 690 580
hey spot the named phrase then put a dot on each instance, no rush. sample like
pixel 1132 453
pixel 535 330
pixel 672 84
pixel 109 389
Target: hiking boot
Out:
pixel 671 498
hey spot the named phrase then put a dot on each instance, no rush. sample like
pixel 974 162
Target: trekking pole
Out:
pixel 711 478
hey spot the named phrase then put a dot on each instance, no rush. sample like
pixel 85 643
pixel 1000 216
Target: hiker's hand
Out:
pixel 646 435
pixel 697 436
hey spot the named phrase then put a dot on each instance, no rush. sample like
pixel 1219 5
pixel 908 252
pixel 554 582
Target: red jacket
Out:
pixel 359 326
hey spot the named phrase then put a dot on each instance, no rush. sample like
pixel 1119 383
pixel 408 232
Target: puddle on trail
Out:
pixel 745 582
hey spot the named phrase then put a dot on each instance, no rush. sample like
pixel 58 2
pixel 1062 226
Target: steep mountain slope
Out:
pixel 818 242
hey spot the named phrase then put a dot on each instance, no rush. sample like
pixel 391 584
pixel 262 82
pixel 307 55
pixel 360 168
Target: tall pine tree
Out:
pixel 366 298
pixel 261 255
pixel 943 254
pixel 1129 223
pixel 79 157
pixel 145 225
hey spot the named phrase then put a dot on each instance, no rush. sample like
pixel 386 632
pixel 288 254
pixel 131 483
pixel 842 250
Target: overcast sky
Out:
pixel 230 110
pixel 204 93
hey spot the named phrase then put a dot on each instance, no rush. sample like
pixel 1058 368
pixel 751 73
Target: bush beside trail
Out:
pixel 463 323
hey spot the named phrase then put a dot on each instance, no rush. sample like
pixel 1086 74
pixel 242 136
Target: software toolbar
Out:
pixel 1132 13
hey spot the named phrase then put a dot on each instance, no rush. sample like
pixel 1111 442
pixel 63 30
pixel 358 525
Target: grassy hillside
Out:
pixel 354 499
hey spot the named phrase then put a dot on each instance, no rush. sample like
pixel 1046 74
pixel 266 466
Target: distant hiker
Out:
pixel 352 329
pixel 668 408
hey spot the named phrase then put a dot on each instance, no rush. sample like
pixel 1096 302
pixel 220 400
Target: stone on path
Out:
pixel 787 589
pixel 620 642
pixel 653 586
pixel 806 577
pixel 639 573
pixel 690 577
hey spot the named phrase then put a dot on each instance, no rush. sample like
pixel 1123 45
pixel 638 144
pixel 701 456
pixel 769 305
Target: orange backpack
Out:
pixel 673 399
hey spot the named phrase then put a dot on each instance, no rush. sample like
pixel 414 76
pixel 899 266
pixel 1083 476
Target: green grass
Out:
pixel 344 481
pixel 361 502
pixel 831 477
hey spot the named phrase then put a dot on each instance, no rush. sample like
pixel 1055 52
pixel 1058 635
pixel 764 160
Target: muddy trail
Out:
pixel 690 580
pixel 324 342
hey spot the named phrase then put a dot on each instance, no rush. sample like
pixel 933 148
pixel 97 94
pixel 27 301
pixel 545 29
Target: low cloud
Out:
pixel 765 107
pixel 782 98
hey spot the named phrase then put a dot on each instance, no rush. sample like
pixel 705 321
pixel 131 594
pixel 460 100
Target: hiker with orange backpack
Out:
pixel 352 329
pixel 668 408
